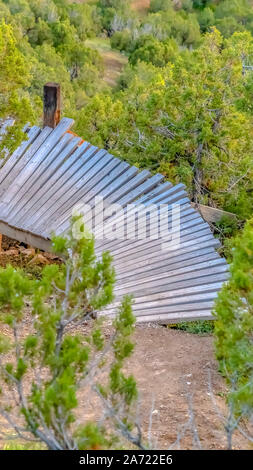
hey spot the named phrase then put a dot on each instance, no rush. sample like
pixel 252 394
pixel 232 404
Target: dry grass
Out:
pixel 114 61
pixel 141 6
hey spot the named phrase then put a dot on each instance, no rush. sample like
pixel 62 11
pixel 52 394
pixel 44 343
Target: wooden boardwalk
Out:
pixel 54 170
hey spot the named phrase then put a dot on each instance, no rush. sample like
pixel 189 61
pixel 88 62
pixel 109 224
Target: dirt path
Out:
pixel 168 365
pixel 141 6
pixel 114 61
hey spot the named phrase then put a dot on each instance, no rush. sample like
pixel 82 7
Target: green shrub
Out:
pixel 122 40
pixel 200 327
pixel 234 324
pixel 53 359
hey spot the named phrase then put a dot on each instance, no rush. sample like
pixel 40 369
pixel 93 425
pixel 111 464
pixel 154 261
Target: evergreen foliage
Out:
pixel 183 107
pixel 189 120
pixel 234 325
pixel 14 76
pixel 50 365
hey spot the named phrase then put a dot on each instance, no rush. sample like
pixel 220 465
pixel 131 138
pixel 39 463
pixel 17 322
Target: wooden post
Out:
pixel 1 236
pixel 52 104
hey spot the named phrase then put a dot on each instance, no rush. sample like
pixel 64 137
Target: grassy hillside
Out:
pixel 114 61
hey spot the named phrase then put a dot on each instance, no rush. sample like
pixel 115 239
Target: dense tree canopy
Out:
pixel 183 105
pixel 189 120
pixel 234 325
pixel 50 35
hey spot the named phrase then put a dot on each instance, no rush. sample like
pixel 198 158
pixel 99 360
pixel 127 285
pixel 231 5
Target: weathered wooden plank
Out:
pixel 197 280
pixel 25 237
pixel 111 195
pixel 59 179
pixel 175 317
pixel 188 302
pixel 158 260
pixel 124 179
pixel 178 188
pixel 134 193
pixel 160 256
pixel 161 266
pixel 183 202
pixel 190 295
pixel 127 212
pixel 108 176
pixel 21 163
pixel 187 221
pixel 169 309
pixel 37 158
pixel 176 297
pixel 173 276
pixel 67 198
pixel 146 199
pixel 9 163
pixel 34 162
pixel 143 188
pixel 65 183
pixel 211 214
pixel 40 175
pixel 159 190
pixel 153 251
pixel 48 176
pixel 114 196
pixel 95 183
pixel 38 181
pixel 157 270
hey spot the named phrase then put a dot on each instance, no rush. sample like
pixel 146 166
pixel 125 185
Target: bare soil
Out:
pixel 22 256
pixel 170 365
pixel 113 63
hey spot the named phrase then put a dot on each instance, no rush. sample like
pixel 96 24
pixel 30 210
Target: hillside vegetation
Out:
pixel 165 90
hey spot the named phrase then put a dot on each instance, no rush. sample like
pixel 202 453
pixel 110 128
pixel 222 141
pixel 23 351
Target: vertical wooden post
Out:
pixel 1 236
pixel 52 104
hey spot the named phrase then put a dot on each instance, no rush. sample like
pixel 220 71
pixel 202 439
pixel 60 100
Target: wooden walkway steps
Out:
pixel 54 170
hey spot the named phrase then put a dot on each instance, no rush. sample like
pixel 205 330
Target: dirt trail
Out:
pixel 114 64
pixel 140 5
pixel 114 61
pixel 168 365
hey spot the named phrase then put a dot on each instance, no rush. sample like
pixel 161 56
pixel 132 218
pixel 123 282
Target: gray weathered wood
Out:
pixel 52 172
pixel 51 105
